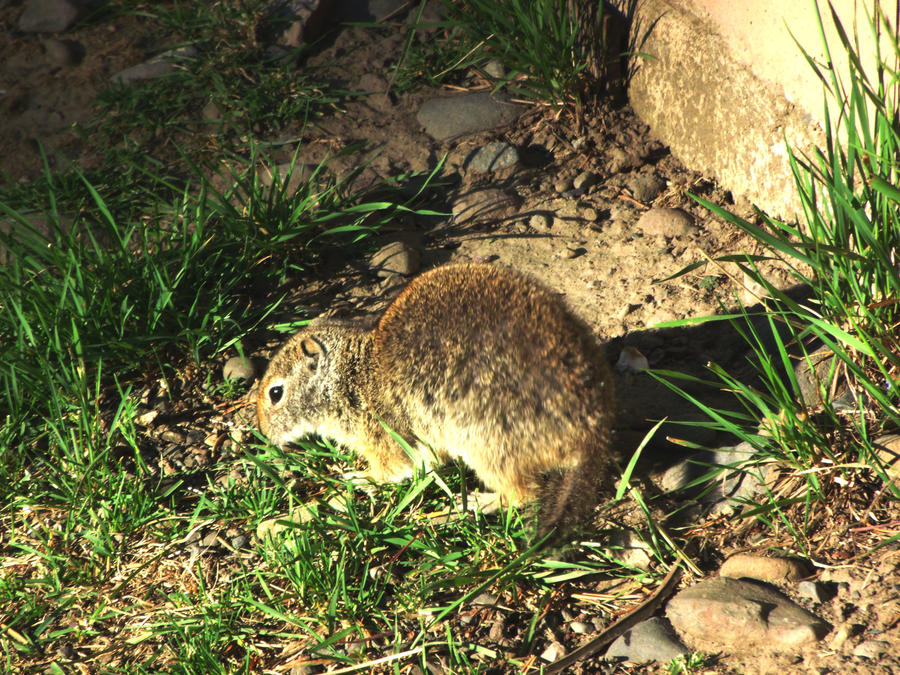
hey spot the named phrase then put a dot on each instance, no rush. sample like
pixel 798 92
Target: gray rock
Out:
pixel 774 570
pixel 397 257
pixel 48 16
pixel 485 204
pixel 729 477
pixel 871 649
pixel 819 369
pixel 650 640
pixel 666 222
pixel 63 52
pixel 743 615
pixel 445 118
pixel 158 66
pixel 646 186
pixel 493 157
pixel 238 368
pixel 627 547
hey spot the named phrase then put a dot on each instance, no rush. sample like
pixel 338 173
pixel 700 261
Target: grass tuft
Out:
pixel 551 51
pixel 844 331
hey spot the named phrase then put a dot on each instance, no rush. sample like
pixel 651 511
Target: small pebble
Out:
pixel 483 204
pixel 156 67
pixel 584 180
pixel 631 359
pixel 540 221
pixel 146 419
pixel 172 436
pixel 210 539
pixel 466 618
pixel 562 184
pixel 397 257
pixel 554 652
pixel 211 112
pixel 485 599
pixel 495 69
pixel 666 222
pixel 646 187
pixel 67 651
pixel 63 52
pixel 238 368
pixel 579 627
pixel 651 640
pixel 590 214
pixel 444 118
pixel 817 591
pixel 763 568
pixel 871 649
pixel 493 157
pixel 627 547
pixel 48 16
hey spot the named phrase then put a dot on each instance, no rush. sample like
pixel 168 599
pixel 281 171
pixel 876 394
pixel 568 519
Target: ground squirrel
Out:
pixel 474 362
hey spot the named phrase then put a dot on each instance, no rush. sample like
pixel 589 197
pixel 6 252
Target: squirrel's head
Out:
pixel 297 395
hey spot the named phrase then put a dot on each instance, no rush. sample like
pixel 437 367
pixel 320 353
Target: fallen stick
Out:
pixel 640 613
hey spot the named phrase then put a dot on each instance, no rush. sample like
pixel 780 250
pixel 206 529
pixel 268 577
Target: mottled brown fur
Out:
pixel 473 362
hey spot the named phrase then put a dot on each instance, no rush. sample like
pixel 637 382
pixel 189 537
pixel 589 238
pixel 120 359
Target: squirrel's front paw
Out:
pixel 360 480
pixel 487 503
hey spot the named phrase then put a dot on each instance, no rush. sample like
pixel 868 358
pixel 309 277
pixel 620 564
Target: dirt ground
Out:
pixel 587 245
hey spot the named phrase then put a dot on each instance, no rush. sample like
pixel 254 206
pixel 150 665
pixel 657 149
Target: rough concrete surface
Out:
pixel 713 112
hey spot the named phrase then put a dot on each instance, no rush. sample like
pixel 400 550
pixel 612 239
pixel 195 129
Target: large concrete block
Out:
pixel 725 85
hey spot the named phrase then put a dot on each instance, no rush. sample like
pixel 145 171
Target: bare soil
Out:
pixel 609 271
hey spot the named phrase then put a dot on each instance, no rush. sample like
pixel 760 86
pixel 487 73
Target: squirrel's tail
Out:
pixel 568 496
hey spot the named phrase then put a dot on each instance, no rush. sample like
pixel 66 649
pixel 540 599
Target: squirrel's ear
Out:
pixel 312 348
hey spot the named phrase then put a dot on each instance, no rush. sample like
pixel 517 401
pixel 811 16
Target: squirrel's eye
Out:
pixel 275 393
